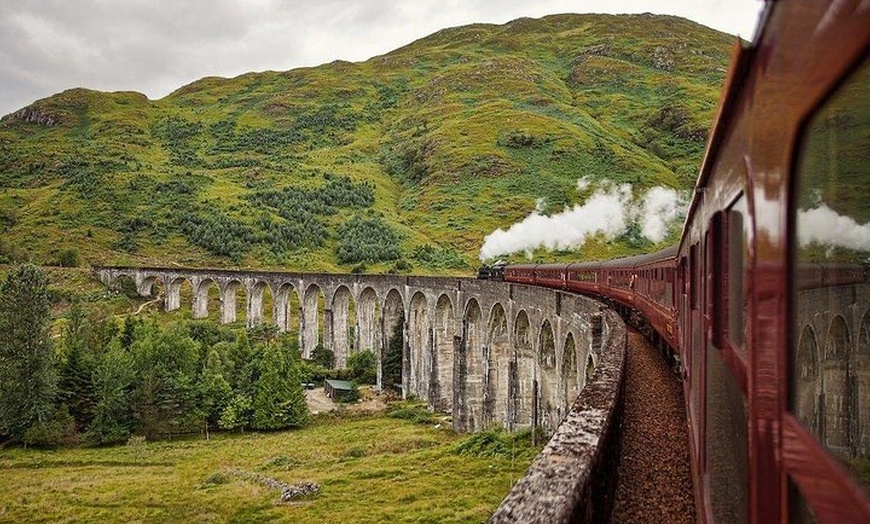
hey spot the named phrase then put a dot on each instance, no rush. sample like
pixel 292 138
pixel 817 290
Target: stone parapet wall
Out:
pixel 574 478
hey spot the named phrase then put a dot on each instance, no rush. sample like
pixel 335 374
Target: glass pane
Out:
pixel 830 357
pixel 738 256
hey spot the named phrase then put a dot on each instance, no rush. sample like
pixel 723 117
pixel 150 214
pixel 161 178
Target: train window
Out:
pixel 718 297
pixel 735 237
pixel 830 333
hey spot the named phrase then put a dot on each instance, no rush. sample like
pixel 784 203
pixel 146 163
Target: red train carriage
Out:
pixel 767 297
pixel 522 273
pixel 774 431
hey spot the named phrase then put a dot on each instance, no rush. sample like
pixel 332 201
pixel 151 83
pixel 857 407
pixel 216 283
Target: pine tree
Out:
pixel 28 376
pixel 76 388
pixel 279 400
pixel 214 390
pixel 238 364
pixel 164 393
pixel 113 378
pixel 393 357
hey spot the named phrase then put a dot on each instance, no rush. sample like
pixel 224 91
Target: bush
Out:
pixel 363 367
pixel 67 258
pixel 412 410
pixel 59 430
pixel 496 442
pixel 237 414
pixel 313 373
pixel 323 357
pixel 367 240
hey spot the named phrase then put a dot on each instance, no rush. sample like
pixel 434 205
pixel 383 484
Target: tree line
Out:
pixel 103 382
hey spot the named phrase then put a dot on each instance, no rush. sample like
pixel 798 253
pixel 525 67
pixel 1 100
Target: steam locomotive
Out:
pixel 764 305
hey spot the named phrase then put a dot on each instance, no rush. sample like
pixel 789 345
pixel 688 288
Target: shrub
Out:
pixel 59 430
pixel 412 410
pixel 67 258
pixel 367 240
pixel 496 442
pixel 237 414
pixel 363 367
pixel 323 357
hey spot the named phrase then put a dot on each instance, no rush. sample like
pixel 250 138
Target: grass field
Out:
pixel 371 469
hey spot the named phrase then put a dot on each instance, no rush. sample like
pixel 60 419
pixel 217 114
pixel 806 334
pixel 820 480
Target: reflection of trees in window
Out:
pixel 831 224
pixel 833 216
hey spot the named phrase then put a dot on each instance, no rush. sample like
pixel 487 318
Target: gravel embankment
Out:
pixel 655 483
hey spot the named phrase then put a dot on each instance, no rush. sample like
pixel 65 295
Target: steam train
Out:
pixel 764 304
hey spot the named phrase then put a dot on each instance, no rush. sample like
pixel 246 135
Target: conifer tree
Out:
pixel 76 388
pixel 279 400
pixel 393 358
pixel 113 378
pixel 214 390
pixel 28 376
pixel 164 393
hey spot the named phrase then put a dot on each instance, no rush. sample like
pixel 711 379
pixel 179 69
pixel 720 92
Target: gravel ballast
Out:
pixel 655 483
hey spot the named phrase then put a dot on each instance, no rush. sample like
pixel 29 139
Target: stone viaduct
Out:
pixel 487 352
pixel 832 386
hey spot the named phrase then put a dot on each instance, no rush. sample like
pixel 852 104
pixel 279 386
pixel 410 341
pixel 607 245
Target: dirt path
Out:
pixel 369 401
pixel 318 402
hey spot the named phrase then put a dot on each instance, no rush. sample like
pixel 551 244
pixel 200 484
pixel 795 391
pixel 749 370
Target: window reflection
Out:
pixel 830 357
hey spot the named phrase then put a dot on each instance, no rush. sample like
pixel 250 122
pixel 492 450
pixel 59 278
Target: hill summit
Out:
pixel 404 162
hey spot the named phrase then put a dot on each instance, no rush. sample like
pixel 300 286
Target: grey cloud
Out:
pixel 156 46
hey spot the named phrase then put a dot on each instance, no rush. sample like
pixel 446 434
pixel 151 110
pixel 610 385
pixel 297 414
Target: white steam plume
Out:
pixel 608 211
pixel 661 206
pixel 825 226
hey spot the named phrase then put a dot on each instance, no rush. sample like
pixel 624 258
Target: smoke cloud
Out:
pixel 826 227
pixel 609 211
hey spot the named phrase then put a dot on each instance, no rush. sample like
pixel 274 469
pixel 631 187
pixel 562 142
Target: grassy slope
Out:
pixel 373 469
pixel 459 133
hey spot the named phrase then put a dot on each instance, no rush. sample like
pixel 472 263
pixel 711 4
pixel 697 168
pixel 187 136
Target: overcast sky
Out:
pixel 157 46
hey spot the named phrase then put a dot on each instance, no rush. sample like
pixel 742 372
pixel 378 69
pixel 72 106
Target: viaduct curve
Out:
pixel 487 352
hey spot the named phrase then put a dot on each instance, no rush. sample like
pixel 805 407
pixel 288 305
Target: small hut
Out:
pixel 338 390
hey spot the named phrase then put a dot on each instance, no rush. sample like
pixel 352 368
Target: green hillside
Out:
pixel 403 163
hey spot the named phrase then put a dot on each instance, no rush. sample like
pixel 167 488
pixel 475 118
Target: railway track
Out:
pixel 655 483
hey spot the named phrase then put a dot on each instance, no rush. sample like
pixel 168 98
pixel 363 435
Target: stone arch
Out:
pixel 837 400
pixel 152 287
pixel 444 347
pixel 498 360
pixel 548 380
pixel 172 301
pixel 205 292
pixel 571 381
pixel 807 380
pixel 367 321
pixel 125 284
pixel 343 309
pixel 394 353
pixel 861 369
pixel 419 345
pixel 523 382
pixel 471 367
pixel 311 328
pixel 286 308
pixel 261 304
pixel 229 299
